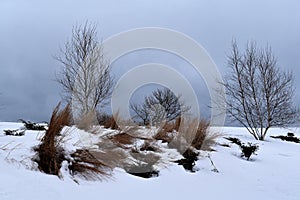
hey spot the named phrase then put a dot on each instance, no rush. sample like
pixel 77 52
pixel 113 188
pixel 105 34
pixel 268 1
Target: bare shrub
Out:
pixel 50 153
pixel 161 105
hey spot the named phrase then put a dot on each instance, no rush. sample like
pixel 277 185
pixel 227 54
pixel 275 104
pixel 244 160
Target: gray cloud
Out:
pixel 32 31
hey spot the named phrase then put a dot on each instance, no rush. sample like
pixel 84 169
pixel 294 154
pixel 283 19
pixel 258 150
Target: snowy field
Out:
pixel 274 173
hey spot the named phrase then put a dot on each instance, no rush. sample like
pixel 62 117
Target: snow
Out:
pixel 272 174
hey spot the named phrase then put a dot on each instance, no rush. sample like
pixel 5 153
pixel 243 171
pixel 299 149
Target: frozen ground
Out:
pixel 272 174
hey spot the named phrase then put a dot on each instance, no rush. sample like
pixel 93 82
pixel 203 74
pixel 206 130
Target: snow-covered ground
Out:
pixel 272 174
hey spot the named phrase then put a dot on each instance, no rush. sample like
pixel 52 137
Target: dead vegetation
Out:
pixel 122 139
pixel 111 123
pixel 197 137
pixel 34 126
pixel 164 132
pixel 85 165
pixel 15 132
pixel 87 121
pixel 120 148
pixel 50 154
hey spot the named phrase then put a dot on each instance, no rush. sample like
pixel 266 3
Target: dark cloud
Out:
pixel 32 31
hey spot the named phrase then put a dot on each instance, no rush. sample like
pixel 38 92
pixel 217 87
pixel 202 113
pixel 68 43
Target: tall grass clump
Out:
pixel 202 139
pixel 50 153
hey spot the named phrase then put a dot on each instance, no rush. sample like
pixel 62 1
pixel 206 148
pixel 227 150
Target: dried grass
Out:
pixel 198 134
pixel 87 121
pixel 164 131
pixel 201 134
pixel 113 157
pixel 122 139
pixel 85 165
pixel 50 153
pixel 111 123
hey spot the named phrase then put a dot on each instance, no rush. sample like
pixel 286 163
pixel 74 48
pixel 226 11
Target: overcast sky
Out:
pixel 31 32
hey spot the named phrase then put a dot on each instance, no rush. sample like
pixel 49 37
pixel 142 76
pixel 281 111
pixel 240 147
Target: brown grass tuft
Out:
pixel 111 123
pixel 177 123
pixel 163 132
pixel 201 135
pixel 50 153
pixel 87 166
pixel 122 139
pixel 87 121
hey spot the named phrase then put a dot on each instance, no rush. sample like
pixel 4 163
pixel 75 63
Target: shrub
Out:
pixel 188 162
pixel 33 126
pixel 289 138
pixel 247 149
pixel 234 140
pixel 16 132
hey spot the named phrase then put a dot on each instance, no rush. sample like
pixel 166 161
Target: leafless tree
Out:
pixel 86 77
pixel 141 112
pixel 259 95
pixel 161 104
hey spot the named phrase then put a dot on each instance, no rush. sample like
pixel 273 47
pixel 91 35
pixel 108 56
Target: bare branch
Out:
pixel 85 77
pixel 161 105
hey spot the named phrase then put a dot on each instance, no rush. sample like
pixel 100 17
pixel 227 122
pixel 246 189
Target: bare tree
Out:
pixel 141 112
pixel 161 104
pixel 259 95
pixel 86 76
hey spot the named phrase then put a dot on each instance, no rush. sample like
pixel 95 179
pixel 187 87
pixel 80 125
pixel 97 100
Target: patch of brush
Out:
pixel 85 165
pixel 15 132
pixel 189 160
pixel 164 134
pixel 122 139
pixel 50 153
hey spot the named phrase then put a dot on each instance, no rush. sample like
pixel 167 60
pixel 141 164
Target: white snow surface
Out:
pixel 274 173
